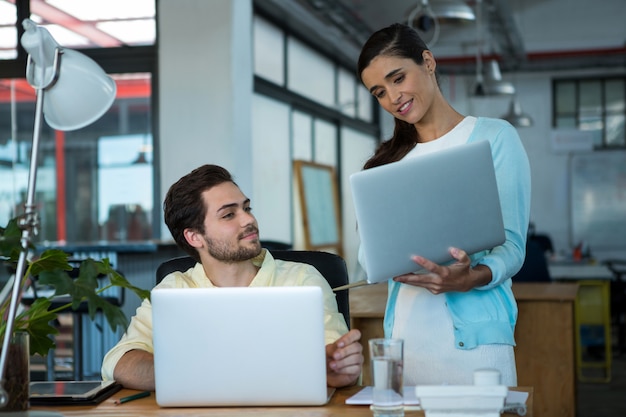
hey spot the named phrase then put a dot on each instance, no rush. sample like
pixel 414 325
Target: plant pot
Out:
pixel 17 373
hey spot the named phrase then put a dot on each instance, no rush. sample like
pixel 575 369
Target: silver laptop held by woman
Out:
pixel 424 205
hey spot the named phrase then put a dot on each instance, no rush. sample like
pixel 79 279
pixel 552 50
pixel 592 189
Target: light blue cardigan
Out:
pixel 487 315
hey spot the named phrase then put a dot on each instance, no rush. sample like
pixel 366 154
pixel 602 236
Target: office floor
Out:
pixel 604 399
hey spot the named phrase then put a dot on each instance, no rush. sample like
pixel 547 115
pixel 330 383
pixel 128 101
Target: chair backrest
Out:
pixel 276 245
pixel 331 266
pixel 544 241
pixel 617 267
pixel 535 267
pixel 617 287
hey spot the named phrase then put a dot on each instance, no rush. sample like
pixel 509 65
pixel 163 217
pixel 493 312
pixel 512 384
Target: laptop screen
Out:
pixel 239 346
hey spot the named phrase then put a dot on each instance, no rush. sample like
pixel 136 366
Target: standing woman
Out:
pixel 458 317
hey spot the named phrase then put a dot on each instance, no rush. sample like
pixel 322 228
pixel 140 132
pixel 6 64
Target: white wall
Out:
pixel 550 199
pixel 205 88
pixel 272 172
pixel 356 148
pixel 206 108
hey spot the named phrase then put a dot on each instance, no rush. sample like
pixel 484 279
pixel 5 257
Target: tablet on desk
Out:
pixel 71 392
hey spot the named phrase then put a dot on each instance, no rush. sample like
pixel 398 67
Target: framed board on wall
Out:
pixel 319 201
pixel 598 199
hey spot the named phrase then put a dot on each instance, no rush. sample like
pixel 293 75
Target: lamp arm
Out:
pixel 28 224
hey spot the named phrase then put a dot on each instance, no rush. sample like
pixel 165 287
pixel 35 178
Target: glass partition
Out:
pixel 94 183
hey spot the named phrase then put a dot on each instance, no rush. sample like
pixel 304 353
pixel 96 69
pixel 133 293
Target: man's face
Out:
pixel 231 231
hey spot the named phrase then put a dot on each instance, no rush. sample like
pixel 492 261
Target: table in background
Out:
pixel 148 407
pixel 576 270
pixel 544 335
pixel 592 313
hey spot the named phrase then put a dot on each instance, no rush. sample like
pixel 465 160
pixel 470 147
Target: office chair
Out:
pixel 542 239
pixel 618 300
pixel 331 266
pixel 535 267
pixel 276 245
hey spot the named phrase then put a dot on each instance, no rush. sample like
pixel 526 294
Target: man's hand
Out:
pixel 344 360
pixel 135 370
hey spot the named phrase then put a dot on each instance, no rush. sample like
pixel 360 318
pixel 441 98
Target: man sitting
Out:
pixel 211 219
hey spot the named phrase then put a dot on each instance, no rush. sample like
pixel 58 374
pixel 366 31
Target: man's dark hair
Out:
pixel 184 207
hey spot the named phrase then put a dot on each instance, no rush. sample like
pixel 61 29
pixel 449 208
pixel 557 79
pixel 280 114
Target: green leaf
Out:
pixel 37 322
pixel 120 281
pixel 58 279
pixel 10 245
pixel 53 269
pixel 50 259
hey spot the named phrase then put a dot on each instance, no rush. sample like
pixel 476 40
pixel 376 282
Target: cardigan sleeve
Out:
pixel 513 178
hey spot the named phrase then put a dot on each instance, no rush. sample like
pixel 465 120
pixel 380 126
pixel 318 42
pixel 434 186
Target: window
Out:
pixel 346 100
pixel 305 101
pixel 284 61
pixel 81 24
pixel 8 31
pixel 309 73
pixel 82 194
pixel 79 196
pixel 596 105
pixel 269 60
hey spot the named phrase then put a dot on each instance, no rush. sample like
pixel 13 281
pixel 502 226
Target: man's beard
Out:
pixel 221 251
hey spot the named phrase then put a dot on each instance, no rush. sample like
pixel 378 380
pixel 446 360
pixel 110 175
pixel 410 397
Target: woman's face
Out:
pixel 403 88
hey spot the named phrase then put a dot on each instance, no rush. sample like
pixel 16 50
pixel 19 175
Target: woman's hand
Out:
pixel 457 277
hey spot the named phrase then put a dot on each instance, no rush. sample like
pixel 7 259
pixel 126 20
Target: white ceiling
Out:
pixel 83 24
pixel 524 35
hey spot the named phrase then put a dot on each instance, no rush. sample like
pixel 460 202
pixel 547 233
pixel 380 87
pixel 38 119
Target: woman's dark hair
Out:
pixel 184 206
pixel 400 41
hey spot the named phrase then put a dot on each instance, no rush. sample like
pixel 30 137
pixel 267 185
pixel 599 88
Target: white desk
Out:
pixel 576 271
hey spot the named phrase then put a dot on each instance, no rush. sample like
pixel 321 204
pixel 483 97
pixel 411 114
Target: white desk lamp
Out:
pixel 77 93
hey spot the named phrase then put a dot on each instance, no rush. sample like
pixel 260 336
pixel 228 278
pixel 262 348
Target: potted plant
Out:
pixel 51 268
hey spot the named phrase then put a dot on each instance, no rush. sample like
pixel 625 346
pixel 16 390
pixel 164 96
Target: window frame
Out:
pixel 602 111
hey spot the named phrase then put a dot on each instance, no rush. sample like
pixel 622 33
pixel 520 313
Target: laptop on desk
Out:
pixel 424 205
pixel 252 346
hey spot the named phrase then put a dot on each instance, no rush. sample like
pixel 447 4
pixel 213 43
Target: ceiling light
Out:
pixel 426 18
pixel 425 22
pixel 452 11
pixel 516 116
pixel 492 83
pixel 445 11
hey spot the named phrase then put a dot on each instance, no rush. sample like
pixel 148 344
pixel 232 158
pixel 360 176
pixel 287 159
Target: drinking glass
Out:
pixel 386 364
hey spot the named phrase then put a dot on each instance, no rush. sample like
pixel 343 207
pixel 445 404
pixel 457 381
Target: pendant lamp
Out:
pixel 489 80
pixel 516 116
pixel 492 83
pixel 426 18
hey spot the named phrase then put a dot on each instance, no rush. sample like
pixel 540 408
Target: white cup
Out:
pixel 486 377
